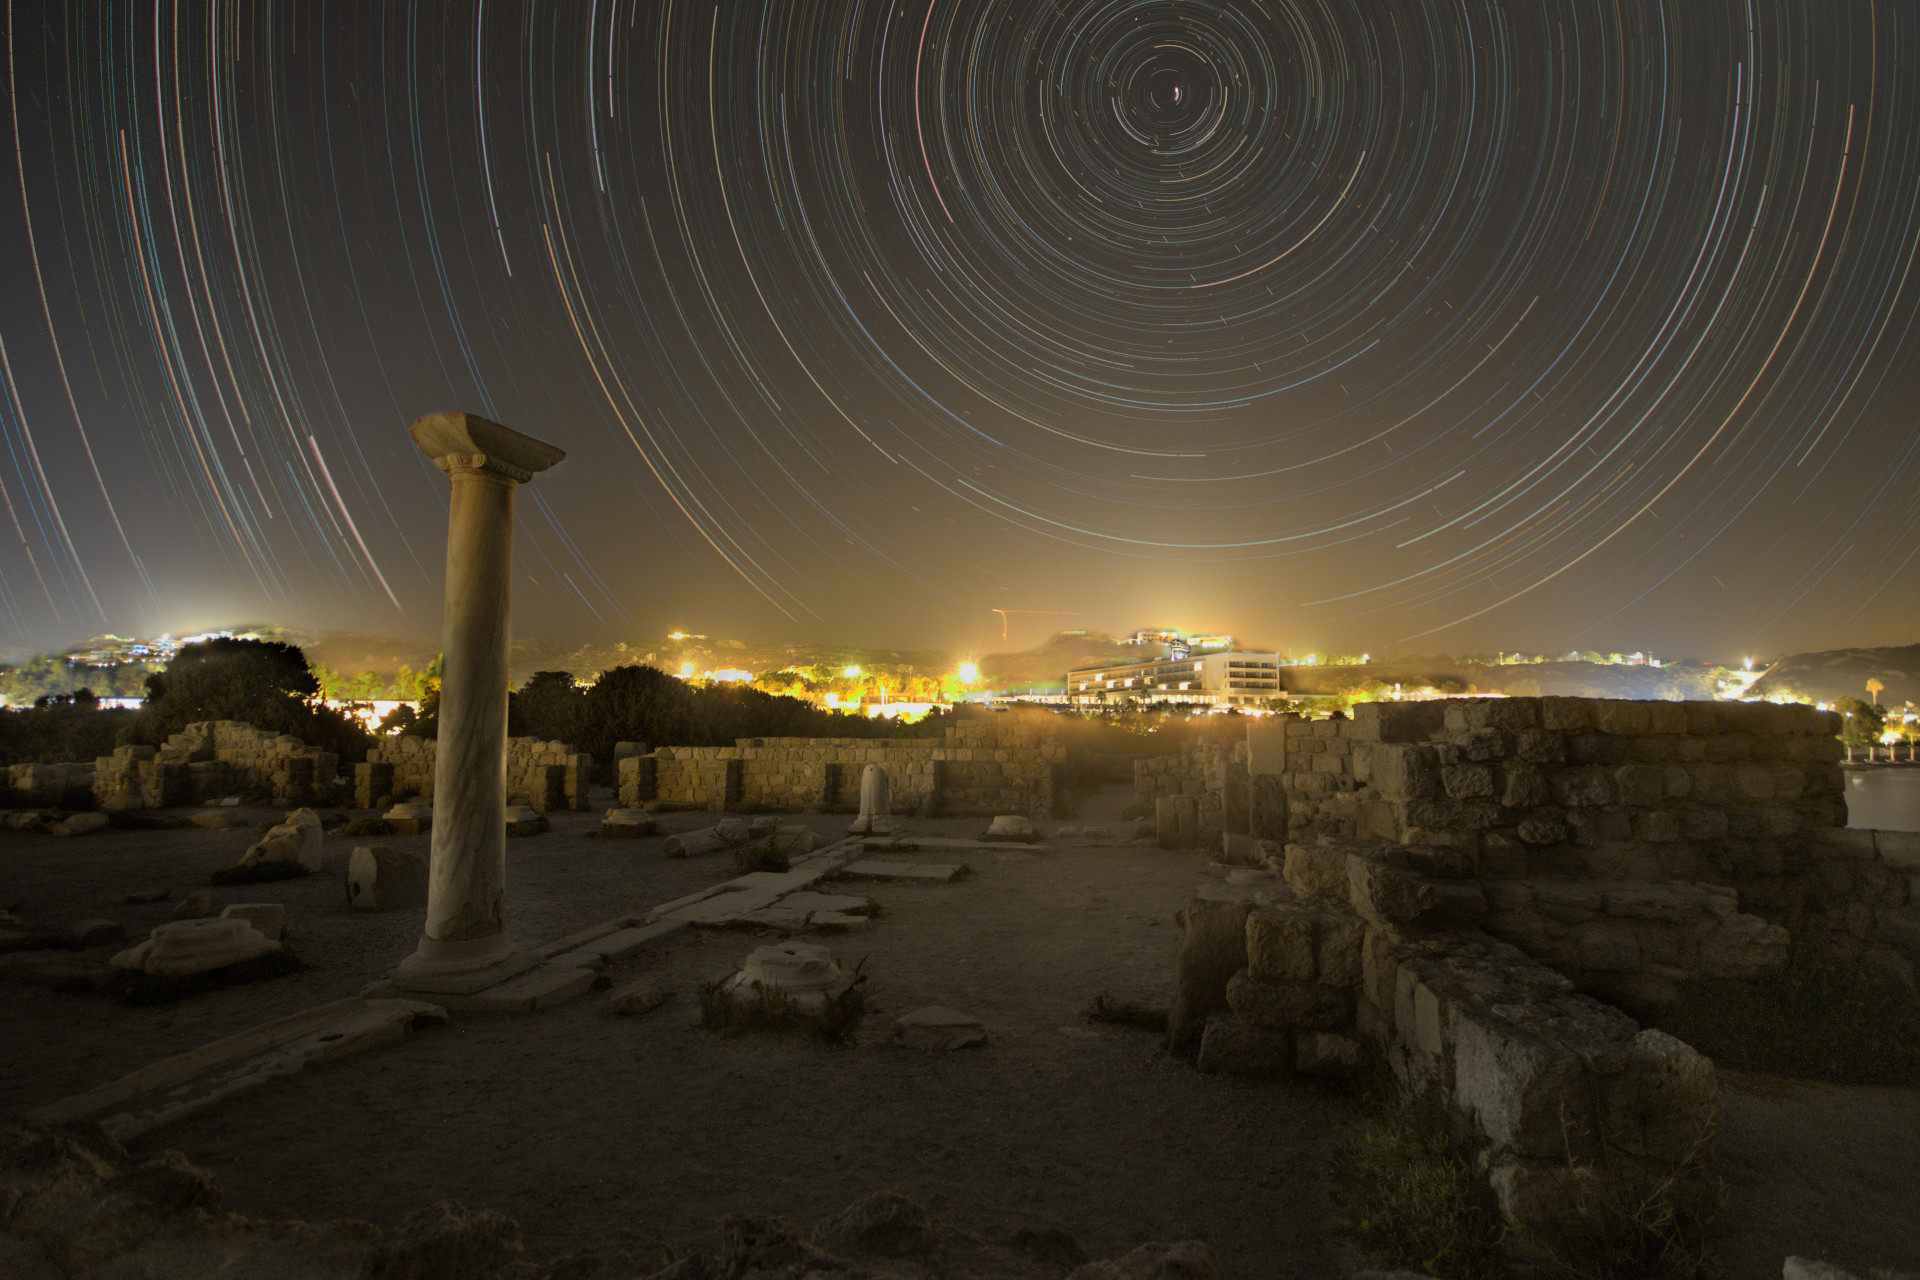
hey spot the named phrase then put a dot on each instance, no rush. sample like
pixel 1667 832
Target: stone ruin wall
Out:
pixel 1610 834
pixel 998 763
pixel 1463 877
pixel 212 759
pixel 68 785
pixel 544 775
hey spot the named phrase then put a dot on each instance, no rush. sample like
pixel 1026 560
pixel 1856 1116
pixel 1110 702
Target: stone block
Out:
pixel 1668 904
pixel 1232 1047
pixel 1742 946
pixel 1566 715
pixel 295 842
pixel 1317 870
pixel 194 906
pixel 1582 787
pixel 1406 771
pixel 1388 897
pixel 269 918
pixel 1657 827
pixel 1332 1055
pixel 1467 781
pixel 1663 1105
pixel 1524 1092
pixel 1280 944
pixel 1898 849
pixel 937 1028
pixel 382 878
pixel 1213 948
pixel 186 947
pixel 1304 1006
pixel 1337 947
pixel 79 824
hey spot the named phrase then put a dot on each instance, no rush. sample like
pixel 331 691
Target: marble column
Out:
pixel 465 945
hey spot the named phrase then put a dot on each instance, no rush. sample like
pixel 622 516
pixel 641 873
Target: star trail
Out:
pixel 1403 325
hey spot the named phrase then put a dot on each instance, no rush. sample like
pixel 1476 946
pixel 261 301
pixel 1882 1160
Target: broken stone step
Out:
pixel 780 881
pixel 536 989
pixel 618 946
pixel 723 907
pixel 872 869
pixel 176 1087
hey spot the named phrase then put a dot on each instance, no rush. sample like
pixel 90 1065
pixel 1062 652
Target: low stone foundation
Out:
pixel 543 775
pixel 1581 1112
pixel 995 763
pixel 211 759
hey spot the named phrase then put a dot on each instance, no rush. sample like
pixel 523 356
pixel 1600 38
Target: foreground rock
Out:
pixel 380 878
pixel 187 947
pixel 295 842
pixel 79 1204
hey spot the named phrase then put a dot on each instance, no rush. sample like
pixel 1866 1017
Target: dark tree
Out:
pixel 548 706
pixel 265 683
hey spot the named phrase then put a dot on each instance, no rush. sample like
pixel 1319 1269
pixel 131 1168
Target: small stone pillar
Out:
pixel 465 947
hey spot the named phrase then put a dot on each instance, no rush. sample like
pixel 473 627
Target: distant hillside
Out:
pixel 1532 679
pixel 1843 673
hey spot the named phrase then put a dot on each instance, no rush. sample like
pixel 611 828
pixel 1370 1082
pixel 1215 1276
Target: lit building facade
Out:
pixel 1231 679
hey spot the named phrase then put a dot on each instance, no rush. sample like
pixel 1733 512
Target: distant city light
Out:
pixel 969 672
pixel 851 673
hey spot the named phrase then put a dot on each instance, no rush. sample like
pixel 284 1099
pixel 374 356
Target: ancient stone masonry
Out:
pixel 67 785
pixel 210 759
pixel 997 763
pixel 1215 776
pixel 1360 957
pixel 1463 877
pixel 1616 841
pixel 543 775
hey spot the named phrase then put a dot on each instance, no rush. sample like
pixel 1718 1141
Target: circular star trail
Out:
pixel 1397 325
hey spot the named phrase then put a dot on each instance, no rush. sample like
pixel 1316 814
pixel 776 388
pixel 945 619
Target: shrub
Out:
pixel 1412 1193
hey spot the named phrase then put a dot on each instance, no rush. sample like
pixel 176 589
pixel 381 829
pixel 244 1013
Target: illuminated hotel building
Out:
pixel 1230 679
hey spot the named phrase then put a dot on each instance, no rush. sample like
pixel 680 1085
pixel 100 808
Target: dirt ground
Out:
pixel 582 1124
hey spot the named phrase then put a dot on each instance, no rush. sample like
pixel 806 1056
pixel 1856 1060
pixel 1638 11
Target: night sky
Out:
pixel 1400 325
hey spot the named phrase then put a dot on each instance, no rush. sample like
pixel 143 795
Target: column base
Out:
pixel 461 968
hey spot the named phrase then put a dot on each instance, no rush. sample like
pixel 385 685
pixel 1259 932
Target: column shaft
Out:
pixel 466 893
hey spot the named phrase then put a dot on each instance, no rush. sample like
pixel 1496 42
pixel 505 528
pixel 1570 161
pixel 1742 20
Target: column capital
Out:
pixel 466 442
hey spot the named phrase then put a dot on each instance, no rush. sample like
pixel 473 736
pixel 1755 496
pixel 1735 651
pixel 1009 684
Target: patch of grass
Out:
pixel 771 1012
pixel 1126 1013
pixel 1412 1194
pixel 1812 1020
pixel 367 827
pixel 258 873
pixel 154 988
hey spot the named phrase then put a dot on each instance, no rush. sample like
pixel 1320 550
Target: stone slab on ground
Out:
pixel 529 992
pixel 781 881
pixel 874 869
pixel 823 902
pixel 176 1087
pixel 668 908
pixel 626 942
pixel 721 907
pixel 937 1027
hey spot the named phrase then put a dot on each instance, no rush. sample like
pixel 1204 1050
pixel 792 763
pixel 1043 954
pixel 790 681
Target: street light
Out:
pixel 969 672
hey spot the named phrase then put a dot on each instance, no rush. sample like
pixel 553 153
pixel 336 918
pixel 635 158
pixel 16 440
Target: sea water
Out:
pixel 1883 799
